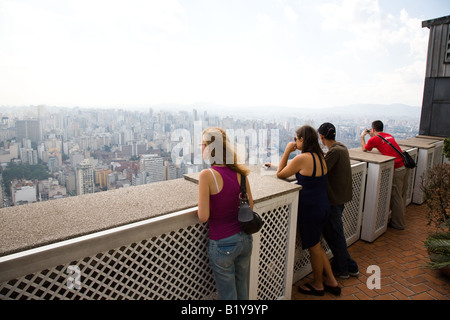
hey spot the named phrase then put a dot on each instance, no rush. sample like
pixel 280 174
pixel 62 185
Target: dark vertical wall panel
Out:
pixel 435 116
pixel 440 120
pixel 427 104
pixel 436 51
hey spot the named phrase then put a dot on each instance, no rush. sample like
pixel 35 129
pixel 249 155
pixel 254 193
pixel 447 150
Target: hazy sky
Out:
pixel 232 52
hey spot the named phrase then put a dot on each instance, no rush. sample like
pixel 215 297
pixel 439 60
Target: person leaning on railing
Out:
pixel 219 188
pixel 401 174
pixel 310 170
pixel 339 188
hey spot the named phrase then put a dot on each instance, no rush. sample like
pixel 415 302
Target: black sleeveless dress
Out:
pixel 313 206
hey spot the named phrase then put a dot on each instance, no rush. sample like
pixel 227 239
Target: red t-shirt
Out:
pixel 385 148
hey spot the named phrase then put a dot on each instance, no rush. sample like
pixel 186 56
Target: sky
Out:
pixel 240 53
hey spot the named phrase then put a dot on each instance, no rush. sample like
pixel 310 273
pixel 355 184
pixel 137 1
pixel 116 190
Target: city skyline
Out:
pixel 123 148
pixel 298 54
pixel 379 111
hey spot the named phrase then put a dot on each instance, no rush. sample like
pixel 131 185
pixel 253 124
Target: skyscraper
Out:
pixel 101 176
pixel 154 166
pixel 29 129
pixel 85 177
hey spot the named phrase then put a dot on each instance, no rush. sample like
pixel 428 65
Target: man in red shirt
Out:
pixel 401 174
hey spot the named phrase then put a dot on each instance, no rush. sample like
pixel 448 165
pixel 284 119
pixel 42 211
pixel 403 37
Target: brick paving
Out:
pixel 402 259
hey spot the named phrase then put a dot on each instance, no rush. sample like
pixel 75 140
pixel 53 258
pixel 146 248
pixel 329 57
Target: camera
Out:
pixel 367 130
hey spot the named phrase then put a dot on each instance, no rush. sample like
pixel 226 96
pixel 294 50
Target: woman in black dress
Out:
pixel 310 170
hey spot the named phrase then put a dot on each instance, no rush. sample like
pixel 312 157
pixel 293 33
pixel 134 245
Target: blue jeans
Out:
pixel 334 235
pixel 230 263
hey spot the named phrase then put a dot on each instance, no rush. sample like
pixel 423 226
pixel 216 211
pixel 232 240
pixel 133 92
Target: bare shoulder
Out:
pixel 301 157
pixel 295 165
pixel 205 175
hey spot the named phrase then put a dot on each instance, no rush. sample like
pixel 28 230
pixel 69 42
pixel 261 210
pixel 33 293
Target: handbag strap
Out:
pixel 401 154
pixel 243 194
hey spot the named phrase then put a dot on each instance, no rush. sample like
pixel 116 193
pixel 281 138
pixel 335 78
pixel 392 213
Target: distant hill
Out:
pixel 397 110
pixel 269 112
pixel 372 111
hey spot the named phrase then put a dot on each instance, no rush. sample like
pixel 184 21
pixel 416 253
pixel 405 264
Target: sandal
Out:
pixel 333 290
pixel 312 291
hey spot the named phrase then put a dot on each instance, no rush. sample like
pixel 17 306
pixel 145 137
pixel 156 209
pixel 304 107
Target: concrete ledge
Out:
pixel 373 156
pixel 33 225
pixel 423 143
pixel 42 223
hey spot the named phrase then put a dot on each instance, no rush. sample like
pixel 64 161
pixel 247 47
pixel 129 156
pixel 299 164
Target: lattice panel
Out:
pixel 411 177
pixel 383 200
pixel 437 155
pixel 429 160
pixel 273 251
pixel 350 216
pixel 302 257
pixel 169 266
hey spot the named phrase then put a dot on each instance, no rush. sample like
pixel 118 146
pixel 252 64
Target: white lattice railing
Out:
pixel 273 250
pixel 376 204
pixel 160 258
pixel 429 154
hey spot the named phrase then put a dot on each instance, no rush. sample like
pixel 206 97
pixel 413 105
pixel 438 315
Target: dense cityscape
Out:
pixel 50 153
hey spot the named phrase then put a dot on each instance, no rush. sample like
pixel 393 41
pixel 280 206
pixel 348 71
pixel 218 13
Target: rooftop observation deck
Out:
pixel 146 242
pixel 402 259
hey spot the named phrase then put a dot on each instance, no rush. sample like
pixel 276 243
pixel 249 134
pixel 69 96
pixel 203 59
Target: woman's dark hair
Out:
pixel 377 125
pixel 310 139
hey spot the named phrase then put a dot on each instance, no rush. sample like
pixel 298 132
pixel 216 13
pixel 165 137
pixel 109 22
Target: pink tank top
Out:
pixel 224 206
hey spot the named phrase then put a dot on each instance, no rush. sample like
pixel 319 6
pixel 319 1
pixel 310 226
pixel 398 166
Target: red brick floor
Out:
pixel 402 259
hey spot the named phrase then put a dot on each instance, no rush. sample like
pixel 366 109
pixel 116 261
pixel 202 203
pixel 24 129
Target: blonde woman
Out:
pixel 218 203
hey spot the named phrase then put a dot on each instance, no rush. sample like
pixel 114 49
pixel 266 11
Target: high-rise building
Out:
pixel 101 177
pixel 53 162
pixel 154 166
pixel 170 171
pixel 85 177
pixel 29 129
pixel 28 156
pixel 139 178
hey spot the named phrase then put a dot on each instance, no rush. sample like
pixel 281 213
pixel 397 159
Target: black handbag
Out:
pixel 407 159
pixel 250 221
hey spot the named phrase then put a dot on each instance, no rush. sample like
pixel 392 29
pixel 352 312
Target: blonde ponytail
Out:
pixel 229 155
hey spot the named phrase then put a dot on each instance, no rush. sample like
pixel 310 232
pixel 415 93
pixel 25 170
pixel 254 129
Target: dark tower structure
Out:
pixel 435 117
